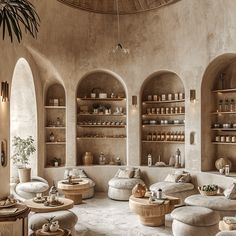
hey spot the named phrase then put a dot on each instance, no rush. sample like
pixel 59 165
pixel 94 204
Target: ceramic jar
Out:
pixel 88 158
pixel 139 190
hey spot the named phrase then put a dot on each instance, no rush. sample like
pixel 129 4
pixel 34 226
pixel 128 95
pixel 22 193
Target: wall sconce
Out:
pixel 5 91
pixel 192 95
pixel 134 101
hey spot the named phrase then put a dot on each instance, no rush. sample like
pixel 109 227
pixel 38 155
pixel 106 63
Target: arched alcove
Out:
pixel 162 117
pixel 23 110
pixel 218 132
pixel 55 125
pixel 101 118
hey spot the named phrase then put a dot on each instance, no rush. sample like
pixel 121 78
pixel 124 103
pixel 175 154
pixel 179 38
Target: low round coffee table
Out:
pixel 152 214
pixel 75 190
pixel 40 208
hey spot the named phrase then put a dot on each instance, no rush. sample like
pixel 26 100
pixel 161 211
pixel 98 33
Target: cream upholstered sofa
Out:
pixel 121 185
pixel 28 190
pixel 80 173
pixel 174 186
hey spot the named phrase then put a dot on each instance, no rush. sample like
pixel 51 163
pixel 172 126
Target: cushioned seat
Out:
pixel 179 190
pixel 192 220
pixel 67 219
pixel 227 233
pixel 29 190
pixel 223 205
pixel 79 173
pixel 120 188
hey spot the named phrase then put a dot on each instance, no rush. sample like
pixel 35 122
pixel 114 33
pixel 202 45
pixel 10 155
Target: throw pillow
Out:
pixel 185 178
pixel 231 192
pixel 78 173
pixel 172 178
pixel 126 174
pixel 137 173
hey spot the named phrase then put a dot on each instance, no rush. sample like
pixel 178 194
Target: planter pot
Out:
pixel 24 174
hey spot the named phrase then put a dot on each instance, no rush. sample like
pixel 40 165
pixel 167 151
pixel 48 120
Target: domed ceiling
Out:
pixel 125 6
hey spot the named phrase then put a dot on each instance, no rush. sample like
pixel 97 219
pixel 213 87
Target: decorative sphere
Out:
pixel 221 162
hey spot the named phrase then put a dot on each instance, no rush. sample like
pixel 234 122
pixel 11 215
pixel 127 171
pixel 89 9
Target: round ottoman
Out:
pixel 227 233
pixel 191 220
pixel 29 190
pixel 67 220
pixel 221 204
pixel 121 188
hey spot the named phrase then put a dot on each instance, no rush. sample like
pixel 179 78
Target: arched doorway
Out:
pixel 23 110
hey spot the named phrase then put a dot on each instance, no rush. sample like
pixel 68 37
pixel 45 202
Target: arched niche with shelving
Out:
pixel 162 118
pixel 218 93
pixel 55 125
pixel 101 118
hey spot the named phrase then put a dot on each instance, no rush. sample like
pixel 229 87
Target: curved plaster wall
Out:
pixel 223 63
pixel 23 110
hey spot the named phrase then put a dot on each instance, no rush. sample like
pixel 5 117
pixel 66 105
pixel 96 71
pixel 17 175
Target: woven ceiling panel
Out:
pixel 125 6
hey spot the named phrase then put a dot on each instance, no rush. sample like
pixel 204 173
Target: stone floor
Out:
pixel 101 216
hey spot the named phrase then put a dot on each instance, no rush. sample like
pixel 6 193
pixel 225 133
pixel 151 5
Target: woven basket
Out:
pixel 207 193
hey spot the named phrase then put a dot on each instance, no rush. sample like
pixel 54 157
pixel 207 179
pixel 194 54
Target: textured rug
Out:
pixel 101 216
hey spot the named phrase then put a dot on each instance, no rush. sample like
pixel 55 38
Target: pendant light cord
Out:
pixel 118 21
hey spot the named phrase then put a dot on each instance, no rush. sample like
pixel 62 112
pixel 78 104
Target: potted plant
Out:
pixel 23 149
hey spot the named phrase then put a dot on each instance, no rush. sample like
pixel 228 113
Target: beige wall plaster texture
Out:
pixel 183 38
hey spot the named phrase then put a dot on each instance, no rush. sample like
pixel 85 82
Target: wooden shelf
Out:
pixel 173 114
pixel 55 127
pixel 223 143
pixel 102 126
pixel 223 112
pixel 110 115
pixel 55 143
pixel 168 142
pixel 159 102
pixel 55 107
pixel 89 138
pixel 102 99
pixel 224 129
pixel 49 166
pixel 160 125
pixel 230 90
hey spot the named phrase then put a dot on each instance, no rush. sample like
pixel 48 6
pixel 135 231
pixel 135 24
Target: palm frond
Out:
pixel 17 13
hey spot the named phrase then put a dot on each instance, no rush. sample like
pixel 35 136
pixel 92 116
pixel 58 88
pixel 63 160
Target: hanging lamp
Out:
pixel 119 48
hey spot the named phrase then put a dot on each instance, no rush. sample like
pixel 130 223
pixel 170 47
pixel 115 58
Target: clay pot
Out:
pixel 24 174
pixel 139 190
pixel 88 158
pixel 221 162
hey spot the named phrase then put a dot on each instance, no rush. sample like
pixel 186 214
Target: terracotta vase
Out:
pixel 24 174
pixel 88 158
pixel 139 190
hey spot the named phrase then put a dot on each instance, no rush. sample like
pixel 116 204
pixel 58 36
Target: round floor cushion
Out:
pixel 32 187
pixel 193 220
pixel 124 183
pixel 227 233
pixel 67 219
pixel 197 216
pixel 218 203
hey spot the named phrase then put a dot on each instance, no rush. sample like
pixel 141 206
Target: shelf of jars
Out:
pixel 163 101
pixel 229 90
pixel 162 123
pixel 55 107
pixel 101 120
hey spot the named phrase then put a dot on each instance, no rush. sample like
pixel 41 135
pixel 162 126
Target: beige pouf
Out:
pixel 67 220
pixel 221 204
pixel 192 221
pixel 227 233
